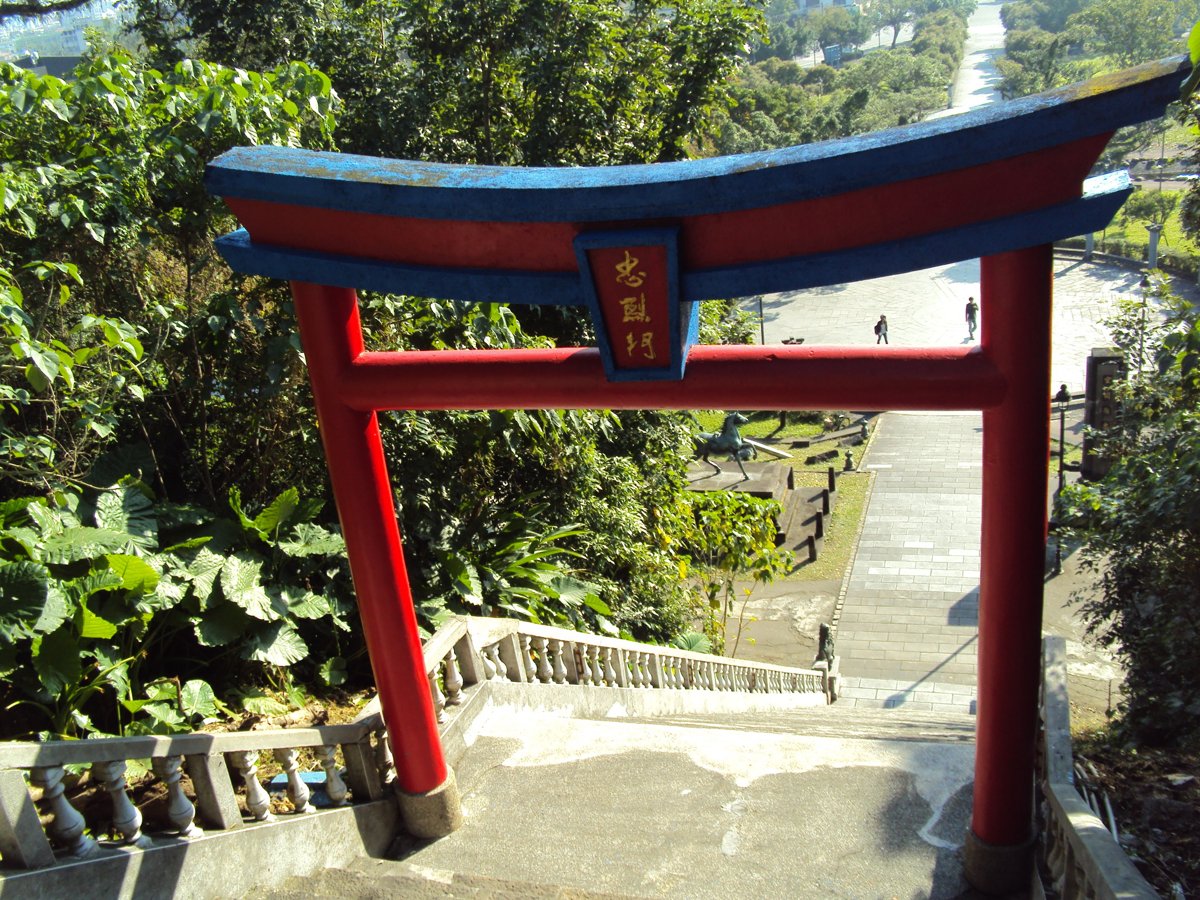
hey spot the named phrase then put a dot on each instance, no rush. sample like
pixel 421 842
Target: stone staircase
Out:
pixel 807 802
pixel 800 526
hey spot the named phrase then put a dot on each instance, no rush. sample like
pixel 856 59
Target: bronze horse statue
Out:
pixel 728 443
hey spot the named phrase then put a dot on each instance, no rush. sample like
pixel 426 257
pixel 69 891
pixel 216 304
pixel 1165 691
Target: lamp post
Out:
pixel 1061 399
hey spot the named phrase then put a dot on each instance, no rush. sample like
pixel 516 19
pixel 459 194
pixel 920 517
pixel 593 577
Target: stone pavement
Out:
pixel 908 627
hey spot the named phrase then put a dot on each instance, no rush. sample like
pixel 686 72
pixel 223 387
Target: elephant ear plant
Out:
pixel 96 591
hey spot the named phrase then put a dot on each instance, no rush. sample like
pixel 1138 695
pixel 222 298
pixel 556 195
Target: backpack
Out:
pixel 878 329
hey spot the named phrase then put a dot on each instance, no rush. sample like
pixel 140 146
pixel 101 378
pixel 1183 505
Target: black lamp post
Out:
pixel 1062 398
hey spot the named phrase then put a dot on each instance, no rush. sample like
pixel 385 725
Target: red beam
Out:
pixel 726 377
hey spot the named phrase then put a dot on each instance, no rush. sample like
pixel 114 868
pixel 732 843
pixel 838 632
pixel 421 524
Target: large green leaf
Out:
pixel 57 661
pixel 128 510
pixel 278 512
pixel 241 584
pixel 304 604
pixel 204 570
pixel 93 626
pixel 137 576
pixel 26 593
pixel 82 542
pixel 313 540
pixel 333 671
pixel 279 644
pixel 221 625
pixel 197 699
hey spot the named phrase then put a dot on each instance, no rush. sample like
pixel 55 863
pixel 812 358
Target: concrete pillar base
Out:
pixel 434 814
pixel 998 869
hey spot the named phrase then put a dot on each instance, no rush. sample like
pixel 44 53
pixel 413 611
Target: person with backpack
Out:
pixel 881 330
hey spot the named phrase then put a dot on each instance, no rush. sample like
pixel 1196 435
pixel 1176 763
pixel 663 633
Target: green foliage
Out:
pixel 728 536
pixel 95 598
pixel 1049 43
pixel 1141 525
pixel 726 322
pixel 60 392
pixel 1150 207
pixel 528 82
pixel 1129 31
pixel 126 327
pixel 776 103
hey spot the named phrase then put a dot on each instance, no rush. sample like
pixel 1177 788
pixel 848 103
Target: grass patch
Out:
pixel 842 527
pixel 1133 231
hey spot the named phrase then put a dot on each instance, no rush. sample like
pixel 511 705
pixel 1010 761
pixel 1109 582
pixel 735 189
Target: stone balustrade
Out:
pixel 222 789
pixel 467 651
pixel 1080 855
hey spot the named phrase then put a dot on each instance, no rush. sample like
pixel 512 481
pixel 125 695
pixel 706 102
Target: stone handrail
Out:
pixel 469 650
pixel 207 759
pixel 1080 855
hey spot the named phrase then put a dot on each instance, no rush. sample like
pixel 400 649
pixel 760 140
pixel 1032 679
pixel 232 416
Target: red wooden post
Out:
pixel 332 338
pixel 1016 306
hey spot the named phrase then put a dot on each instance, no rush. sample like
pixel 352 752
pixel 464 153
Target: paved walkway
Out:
pixel 908 622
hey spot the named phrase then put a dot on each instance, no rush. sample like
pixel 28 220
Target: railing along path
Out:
pixel 1080 855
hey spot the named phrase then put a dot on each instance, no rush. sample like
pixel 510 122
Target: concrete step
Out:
pixel 935 697
pixel 382 878
pixel 836 721
pixel 685 808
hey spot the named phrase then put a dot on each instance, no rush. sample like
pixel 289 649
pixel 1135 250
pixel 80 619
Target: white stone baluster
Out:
pixel 597 672
pixel 439 699
pixel 68 826
pixel 335 787
pixel 635 671
pixel 610 674
pixel 384 761
pixel 180 810
pixel 489 667
pixel 527 650
pixel 257 800
pixel 454 682
pixel 498 668
pixel 560 668
pixel 297 790
pixel 582 668
pixel 544 672
pixel 127 819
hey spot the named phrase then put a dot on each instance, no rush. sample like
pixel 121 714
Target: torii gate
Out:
pixel 639 245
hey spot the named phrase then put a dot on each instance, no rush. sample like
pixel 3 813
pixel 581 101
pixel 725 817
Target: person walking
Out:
pixel 881 330
pixel 972 318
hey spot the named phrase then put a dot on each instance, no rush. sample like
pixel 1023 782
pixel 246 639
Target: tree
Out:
pixel 1141 527
pixel 835 25
pixel 517 82
pixel 1129 31
pixel 102 187
pixel 892 14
